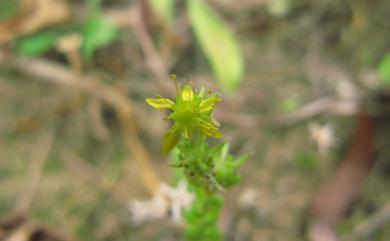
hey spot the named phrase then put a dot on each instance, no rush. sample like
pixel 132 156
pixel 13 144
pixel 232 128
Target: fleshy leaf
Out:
pixel 226 167
pixel 218 44
pixel 161 103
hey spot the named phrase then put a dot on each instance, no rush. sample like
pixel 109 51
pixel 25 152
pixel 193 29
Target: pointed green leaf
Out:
pixel 171 139
pixel 218 43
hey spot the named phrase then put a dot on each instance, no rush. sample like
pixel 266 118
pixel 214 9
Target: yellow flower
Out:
pixel 191 113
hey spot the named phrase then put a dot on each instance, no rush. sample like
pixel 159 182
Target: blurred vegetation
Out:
pixel 270 59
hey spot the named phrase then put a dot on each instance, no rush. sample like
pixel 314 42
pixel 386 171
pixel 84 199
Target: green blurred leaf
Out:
pixel 37 43
pixel 97 32
pixel 218 43
pixel 279 8
pixel 290 104
pixel 54 165
pixel 8 8
pixel 164 9
pixel 384 69
pixel 306 160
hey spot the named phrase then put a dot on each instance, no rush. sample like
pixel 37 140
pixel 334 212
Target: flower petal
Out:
pixel 171 138
pixel 161 103
pixel 209 129
pixel 208 104
pixel 187 94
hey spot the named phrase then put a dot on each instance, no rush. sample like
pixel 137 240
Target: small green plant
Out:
pixel 208 170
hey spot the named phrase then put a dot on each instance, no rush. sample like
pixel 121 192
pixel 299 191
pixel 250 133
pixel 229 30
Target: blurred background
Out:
pixel 305 87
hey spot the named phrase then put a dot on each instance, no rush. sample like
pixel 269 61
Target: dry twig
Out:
pixel 153 59
pixel 320 106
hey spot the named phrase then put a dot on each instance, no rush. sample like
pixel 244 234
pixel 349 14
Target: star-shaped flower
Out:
pixel 191 113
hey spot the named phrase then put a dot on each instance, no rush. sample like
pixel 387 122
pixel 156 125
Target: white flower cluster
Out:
pixel 323 136
pixel 168 202
pixel 248 199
